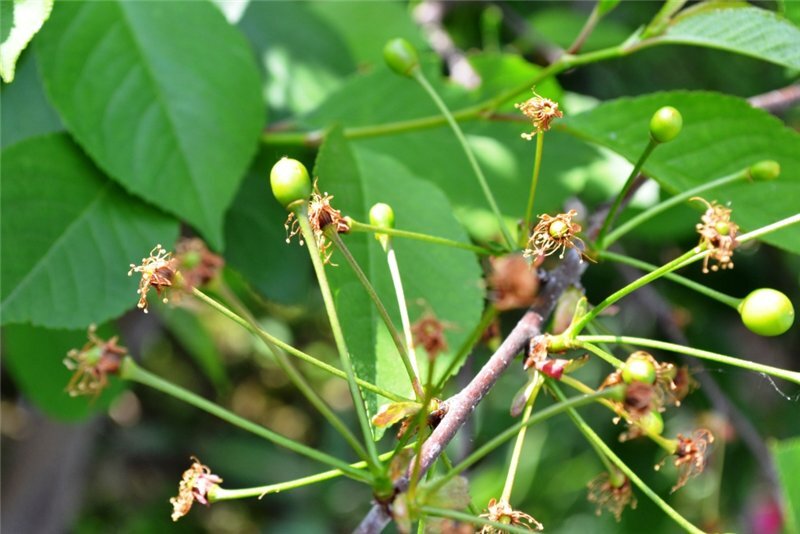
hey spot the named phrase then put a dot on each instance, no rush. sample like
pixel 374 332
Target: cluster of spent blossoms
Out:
pixel 321 214
pixel 93 363
pixel 718 235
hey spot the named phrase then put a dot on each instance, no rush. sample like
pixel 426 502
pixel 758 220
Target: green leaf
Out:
pixel 68 237
pixel 35 359
pixel 721 135
pixel 26 111
pixel 21 20
pixel 444 281
pixel 307 49
pixel 744 30
pixel 164 97
pixel 195 339
pixel 787 463
pixel 394 412
pixel 255 239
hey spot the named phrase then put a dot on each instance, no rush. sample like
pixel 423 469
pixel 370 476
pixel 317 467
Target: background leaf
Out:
pixel 744 30
pixel 21 20
pixel 34 357
pixel 444 281
pixel 71 234
pixel 126 79
pixel 787 463
pixel 721 135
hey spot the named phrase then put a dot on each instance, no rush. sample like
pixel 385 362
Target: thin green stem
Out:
pixel 651 212
pixel 397 282
pixel 768 229
pixel 733 302
pixel 791 376
pixel 488 316
pixel 612 213
pixel 338 336
pixel 266 336
pixel 537 163
pixel 513 465
pixel 512 431
pixel 607 356
pixel 602 447
pixel 296 378
pixel 356 226
pixel 633 286
pixel 131 371
pixel 475 520
pixel 410 366
pixel 586 31
pixel 223 494
pixel 473 162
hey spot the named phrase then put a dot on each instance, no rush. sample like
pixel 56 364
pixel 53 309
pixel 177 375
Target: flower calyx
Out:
pixel 501 512
pixel 92 364
pixel 321 216
pixel 718 235
pixel 197 484
pixel 541 111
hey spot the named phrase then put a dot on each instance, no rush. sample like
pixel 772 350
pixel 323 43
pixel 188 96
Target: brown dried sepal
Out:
pixel 321 214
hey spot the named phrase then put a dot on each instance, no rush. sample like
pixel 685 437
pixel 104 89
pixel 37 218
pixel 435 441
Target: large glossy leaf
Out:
pixel 35 359
pixel 255 239
pixel 21 20
pixel 721 135
pixel 163 96
pixel 68 236
pixel 745 30
pixel 443 281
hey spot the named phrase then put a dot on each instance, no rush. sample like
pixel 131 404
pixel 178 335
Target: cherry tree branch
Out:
pixel 461 405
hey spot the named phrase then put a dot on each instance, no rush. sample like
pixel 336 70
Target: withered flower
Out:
pixel 541 111
pixel 552 234
pixel 691 455
pixel 92 364
pixel 610 496
pixel 501 512
pixel 320 215
pixel 718 234
pixel 513 282
pixel 158 270
pixel 195 485
pixel 197 264
pixel 674 384
pixel 428 332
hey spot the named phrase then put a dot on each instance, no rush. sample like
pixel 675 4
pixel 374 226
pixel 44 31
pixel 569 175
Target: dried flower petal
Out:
pixel 195 485
pixel 608 496
pixel 501 512
pixel 92 364
pixel 428 332
pixel 552 234
pixel 541 111
pixel 158 271
pixel 690 455
pixel 718 234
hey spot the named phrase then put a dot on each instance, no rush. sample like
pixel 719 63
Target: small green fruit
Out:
pixel 652 423
pixel 381 215
pixel 401 56
pixel 767 312
pixel 290 182
pixel 666 124
pixel 765 170
pixel 639 368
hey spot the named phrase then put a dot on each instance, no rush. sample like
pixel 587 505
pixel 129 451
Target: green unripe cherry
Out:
pixel 639 368
pixel 652 423
pixel 767 312
pixel 666 124
pixel 558 229
pixel 290 182
pixel 401 56
pixel 381 215
pixel 765 170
